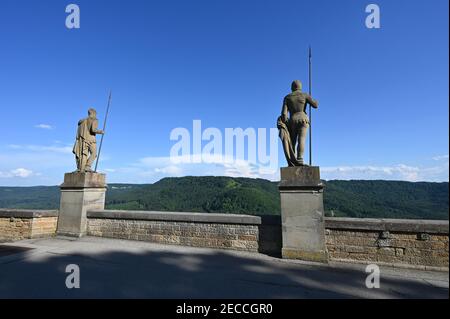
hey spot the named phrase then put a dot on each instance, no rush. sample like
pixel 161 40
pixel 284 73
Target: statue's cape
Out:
pixel 285 137
pixel 83 136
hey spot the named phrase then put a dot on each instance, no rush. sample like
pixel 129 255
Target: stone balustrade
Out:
pixel 397 242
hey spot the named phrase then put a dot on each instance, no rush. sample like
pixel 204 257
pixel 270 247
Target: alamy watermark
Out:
pixel 256 146
pixel 373 279
pixel 73 19
pixel 373 20
pixel 73 279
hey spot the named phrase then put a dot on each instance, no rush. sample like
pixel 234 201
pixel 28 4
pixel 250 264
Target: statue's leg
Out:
pixel 287 153
pixel 83 157
pixel 78 162
pixel 92 156
pixel 83 161
pixel 294 135
pixel 302 132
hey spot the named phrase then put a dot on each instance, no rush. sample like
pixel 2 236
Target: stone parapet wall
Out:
pixel 399 242
pixel 417 243
pixel 410 243
pixel 17 224
pixel 239 232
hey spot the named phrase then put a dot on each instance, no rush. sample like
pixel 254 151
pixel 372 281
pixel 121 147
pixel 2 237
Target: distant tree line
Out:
pixel 356 198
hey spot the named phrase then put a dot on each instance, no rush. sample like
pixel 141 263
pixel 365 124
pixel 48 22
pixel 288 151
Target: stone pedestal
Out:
pixel 302 214
pixel 80 192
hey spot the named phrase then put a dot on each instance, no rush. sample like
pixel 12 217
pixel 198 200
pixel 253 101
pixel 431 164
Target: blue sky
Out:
pixel 383 93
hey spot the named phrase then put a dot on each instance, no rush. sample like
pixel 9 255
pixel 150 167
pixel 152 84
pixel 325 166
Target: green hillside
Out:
pixel 387 199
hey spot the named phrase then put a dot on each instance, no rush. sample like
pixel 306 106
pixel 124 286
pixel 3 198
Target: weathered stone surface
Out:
pixel 357 243
pixel 302 214
pixel 27 213
pixel 316 256
pixel 43 227
pixel 300 177
pixel 18 228
pixel 85 148
pixel 404 248
pixel 293 128
pixel 83 180
pixel 176 216
pixel 198 234
pixel 356 239
pixel 79 193
pixel 394 225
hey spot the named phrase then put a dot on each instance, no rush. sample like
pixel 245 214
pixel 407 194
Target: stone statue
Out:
pixel 293 130
pixel 85 148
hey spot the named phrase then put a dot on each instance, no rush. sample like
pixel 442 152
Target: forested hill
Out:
pixel 387 199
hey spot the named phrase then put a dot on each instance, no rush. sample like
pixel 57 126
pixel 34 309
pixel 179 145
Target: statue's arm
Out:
pixel 312 102
pixel 94 128
pixel 284 111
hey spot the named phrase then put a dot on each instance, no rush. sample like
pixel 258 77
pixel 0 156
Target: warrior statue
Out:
pixel 293 130
pixel 85 148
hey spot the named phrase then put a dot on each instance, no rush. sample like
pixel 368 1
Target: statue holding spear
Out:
pixel 294 122
pixel 85 148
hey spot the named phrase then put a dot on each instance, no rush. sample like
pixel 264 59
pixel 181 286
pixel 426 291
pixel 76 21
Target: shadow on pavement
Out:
pixel 165 274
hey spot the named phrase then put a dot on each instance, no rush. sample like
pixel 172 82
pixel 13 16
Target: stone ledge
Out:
pixel 76 180
pixel 176 217
pixel 300 177
pixel 27 213
pixel 394 225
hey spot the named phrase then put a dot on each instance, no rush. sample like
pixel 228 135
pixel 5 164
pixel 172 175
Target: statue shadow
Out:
pixel 153 271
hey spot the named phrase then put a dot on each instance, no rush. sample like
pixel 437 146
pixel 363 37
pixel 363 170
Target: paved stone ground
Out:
pixel 112 268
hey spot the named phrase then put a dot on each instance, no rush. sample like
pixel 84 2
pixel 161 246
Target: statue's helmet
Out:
pixel 296 85
pixel 92 112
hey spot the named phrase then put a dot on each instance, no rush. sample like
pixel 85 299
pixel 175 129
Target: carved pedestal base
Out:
pixel 302 214
pixel 80 192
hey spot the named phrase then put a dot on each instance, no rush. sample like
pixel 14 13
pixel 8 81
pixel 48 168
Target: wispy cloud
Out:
pixel 27 165
pixel 18 172
pixel 172 170
pixel 210 165
pixel 44 126
pixel 441 158
pixel 42 148
pixel 396 172
pixel 151 169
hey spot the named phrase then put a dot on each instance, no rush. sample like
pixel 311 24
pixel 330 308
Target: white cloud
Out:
pixel 441 157
pixel 170 170
pixel 152 169
pixel 43 148
pixel 210 165
pixel 46 163
pixel 396 172
pixel 18 172
pixel 44 126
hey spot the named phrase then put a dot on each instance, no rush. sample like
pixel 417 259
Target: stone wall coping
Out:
pixel 176 216
pixel 27 213
pixel 76 180
pixel 384 224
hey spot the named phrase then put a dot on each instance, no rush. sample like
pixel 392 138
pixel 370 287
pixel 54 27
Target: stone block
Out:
pixel 84 180
pixel 80 192
pixel 302 214
pixel 300 177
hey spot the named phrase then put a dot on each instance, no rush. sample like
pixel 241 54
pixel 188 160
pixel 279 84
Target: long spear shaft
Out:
pixel 310 110
pixel 104 128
